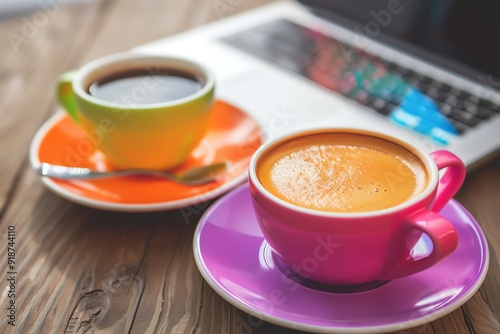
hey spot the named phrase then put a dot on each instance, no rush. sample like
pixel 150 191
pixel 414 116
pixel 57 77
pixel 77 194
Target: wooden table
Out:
pixel 81 270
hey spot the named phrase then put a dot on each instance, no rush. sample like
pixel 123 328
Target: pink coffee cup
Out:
pixel 357 248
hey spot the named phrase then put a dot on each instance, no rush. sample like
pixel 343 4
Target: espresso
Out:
pixel 145 86
pixel 342 172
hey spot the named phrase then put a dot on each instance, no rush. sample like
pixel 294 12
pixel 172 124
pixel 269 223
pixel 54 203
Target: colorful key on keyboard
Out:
pixel 420 113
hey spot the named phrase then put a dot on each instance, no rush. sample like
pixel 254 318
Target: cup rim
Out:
pixel 423 155
pixel 172 61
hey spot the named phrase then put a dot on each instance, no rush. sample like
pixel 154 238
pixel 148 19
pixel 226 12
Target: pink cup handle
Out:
pixel 444 240
pixel 441 232
pixel 452 179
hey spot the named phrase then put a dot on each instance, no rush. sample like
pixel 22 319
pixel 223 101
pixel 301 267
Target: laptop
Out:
pixel 427 71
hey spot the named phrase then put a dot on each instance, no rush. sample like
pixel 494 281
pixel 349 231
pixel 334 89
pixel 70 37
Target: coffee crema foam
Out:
pixel 342 172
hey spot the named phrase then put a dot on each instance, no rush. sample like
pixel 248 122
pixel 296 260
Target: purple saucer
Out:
pixel 234 259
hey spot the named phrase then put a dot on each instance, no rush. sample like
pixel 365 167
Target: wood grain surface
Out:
pixel 82 270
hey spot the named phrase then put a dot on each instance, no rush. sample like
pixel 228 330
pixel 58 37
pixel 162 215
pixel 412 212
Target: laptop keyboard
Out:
pixel 409 99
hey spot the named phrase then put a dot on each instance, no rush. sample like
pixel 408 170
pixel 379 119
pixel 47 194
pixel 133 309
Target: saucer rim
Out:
pixel 122 207
pixel 210 279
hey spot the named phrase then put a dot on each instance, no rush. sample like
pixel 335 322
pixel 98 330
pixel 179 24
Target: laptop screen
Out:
pixel 461 35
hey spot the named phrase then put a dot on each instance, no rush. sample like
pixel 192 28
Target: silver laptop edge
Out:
pixel 282 101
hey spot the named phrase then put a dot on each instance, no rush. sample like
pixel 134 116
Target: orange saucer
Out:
pixel 233 136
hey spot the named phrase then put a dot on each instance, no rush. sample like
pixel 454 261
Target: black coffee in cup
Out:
pixel 146 86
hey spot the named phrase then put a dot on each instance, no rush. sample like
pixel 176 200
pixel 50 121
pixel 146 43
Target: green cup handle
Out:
pixel 66 95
